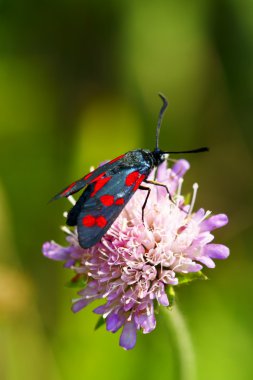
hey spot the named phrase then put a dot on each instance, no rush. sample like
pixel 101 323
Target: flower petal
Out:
pixel 216 251
pixel 206 261
pixel 102 309
pixel 215 221
pixel 148 323
pixel 162 172
pixel 128 336
pixel 69 263
pixel 55 251
pixel 198 215
pixel 114 321
pixel 180 167
pixel 187 265
pixel 80 304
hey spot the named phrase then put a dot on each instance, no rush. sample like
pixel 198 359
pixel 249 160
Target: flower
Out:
pixel 135 264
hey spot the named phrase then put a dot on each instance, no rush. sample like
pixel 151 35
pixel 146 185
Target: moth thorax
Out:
pixel 158 156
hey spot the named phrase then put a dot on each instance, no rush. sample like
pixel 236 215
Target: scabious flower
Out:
pixel 135 265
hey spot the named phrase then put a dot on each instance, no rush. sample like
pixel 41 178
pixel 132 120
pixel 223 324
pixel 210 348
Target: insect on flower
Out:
pixel 109 188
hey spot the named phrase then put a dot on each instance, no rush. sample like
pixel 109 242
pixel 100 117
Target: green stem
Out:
pixel 177 324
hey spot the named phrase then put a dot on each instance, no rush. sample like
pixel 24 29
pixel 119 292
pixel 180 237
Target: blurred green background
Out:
pixel 78 85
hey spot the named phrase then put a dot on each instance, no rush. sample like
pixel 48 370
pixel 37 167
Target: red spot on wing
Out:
pixel 139 181
pixel 99 184
pixel 98 177
pixel 89 220
pixel 101 221
pixel 116 159
pixel 120 201
pixel 88 175
pixel 131 178
pixel 107 199
pixel 69 188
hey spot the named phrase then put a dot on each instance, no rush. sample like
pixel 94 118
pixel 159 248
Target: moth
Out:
pixel 108 188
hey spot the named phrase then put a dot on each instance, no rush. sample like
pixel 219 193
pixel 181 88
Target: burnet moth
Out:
pixel 108 188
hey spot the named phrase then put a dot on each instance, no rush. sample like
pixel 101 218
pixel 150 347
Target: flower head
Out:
pixel 135 264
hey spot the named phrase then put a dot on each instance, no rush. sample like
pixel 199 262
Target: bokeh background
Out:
pixel 78 85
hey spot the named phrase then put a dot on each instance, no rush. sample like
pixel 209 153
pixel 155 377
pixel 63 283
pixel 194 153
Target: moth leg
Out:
pixel 160 184
pixel 145 202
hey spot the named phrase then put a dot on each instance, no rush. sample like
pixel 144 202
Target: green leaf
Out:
pixel 189 277
pixel 100 322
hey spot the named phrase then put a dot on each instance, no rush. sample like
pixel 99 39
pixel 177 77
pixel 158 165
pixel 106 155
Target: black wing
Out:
pixel 88 178
pixel 103 200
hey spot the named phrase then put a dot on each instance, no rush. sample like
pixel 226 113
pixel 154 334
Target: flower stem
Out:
pixel 176 323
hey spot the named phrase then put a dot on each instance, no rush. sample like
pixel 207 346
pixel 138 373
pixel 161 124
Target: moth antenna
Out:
pixel 160 117
pixel 198 150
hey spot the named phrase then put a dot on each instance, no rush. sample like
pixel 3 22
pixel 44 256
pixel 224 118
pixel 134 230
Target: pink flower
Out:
pixel 136 263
